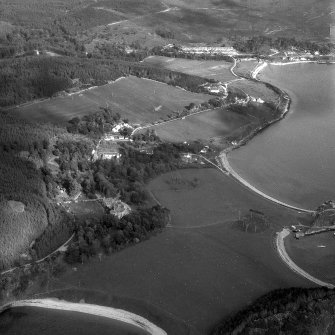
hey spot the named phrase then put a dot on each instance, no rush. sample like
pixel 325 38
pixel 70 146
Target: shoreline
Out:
pixel 97 310
pixel 225 163
pixel 280 246
pixel 223 156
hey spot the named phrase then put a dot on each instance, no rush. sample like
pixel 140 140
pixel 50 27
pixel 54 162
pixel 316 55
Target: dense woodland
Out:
pixel 26 179
pixel 96 124
pixel 24 147
pixel 293 311
pixel 112 234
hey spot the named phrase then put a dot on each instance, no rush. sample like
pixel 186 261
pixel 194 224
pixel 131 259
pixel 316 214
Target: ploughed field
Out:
pixel 314 254
pixel 203 267
pixel 218 70
pixel 204 126
pixel 139 100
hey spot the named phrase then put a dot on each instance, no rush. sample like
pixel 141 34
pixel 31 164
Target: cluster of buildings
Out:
pixel 206 50
pixel 216 88
pixel 203 50
pixel 106 149
pixel 258 100
pixel 295 56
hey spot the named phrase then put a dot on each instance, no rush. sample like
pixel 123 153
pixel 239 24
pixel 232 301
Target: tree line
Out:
pixel 29 78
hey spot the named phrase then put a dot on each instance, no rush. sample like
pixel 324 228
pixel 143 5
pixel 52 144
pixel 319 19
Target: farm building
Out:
pixel 209 50
pixel 258 100
pixel 108 150
pixel 215 88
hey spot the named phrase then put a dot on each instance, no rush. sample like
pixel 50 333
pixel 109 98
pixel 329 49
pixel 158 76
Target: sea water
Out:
pixel 294 159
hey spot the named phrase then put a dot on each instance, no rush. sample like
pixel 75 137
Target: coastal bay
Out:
pixel 292 160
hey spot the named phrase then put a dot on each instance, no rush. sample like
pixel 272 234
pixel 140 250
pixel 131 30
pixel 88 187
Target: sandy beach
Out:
pixel 97 310
pixel 280 245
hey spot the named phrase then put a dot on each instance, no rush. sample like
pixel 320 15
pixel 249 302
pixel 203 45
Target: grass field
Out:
pixel 244 68
pixel 315 254
pixel 196 274
pixel 218 70
pixel 204 126
pixel 256 89
pixel 139 100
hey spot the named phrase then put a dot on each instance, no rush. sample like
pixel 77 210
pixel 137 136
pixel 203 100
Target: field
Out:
pixel 201 269
pixel 218 70
pixel 314 254
pixel 256 89
pixel 244 68
pixel 139 100
pixel 86 209
pixel 204 126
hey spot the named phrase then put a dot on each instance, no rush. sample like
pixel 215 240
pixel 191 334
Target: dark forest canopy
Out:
pixel 28 78
pixel 293 311
pixel 24 146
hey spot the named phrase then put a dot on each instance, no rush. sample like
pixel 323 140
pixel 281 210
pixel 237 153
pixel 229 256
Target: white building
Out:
pixel 210 50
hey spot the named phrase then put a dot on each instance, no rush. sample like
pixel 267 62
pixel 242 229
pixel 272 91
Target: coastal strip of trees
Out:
pixel 284 311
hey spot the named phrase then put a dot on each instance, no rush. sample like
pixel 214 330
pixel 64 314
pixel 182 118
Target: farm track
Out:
pixel 39 260
pixel 143 16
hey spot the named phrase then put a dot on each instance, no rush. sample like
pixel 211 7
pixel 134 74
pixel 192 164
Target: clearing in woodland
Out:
pixel 139 100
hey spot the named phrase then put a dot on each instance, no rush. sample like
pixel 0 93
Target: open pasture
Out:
pixel 204 126
pixel 256 89
pixel 315 254
pixel 139 100
pixel 218 70
pixel 244 67
pixel 200 269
